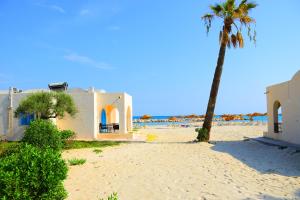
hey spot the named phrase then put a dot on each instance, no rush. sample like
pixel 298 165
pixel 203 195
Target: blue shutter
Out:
pixel 26 119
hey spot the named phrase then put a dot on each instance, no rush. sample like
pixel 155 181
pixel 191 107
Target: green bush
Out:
pixel 42 134
pixel 76 161
pixel 66 136
pixel 202 134
pixel 8 148
pixel 32 173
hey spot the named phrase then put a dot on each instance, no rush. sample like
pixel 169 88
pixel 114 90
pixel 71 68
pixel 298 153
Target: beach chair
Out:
pixel 116 126
pixel 103 128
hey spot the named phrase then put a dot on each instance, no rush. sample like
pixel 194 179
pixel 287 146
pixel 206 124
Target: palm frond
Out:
pixel 243 2
pixel 234 40
pixel 240 39
pixel 254 37
pixel 246 20
pixel 229 6
pixel 251 5
pixel 237 13
pixel 217 10
pixel 249 32
pixel 229 44
pixel 207 20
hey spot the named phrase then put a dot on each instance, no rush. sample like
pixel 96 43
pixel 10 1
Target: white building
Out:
pixel 285 97
pixel 100 115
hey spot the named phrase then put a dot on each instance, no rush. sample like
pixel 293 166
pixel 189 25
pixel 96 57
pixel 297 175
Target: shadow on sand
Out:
pixel 263 158
pixel 269 197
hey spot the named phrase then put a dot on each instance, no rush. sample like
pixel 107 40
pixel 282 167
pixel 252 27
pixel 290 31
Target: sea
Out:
pixel 258 119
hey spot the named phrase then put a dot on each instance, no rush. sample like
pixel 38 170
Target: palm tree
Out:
pixel 235 16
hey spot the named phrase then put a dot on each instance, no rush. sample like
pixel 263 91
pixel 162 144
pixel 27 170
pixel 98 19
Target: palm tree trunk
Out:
pixel 214 90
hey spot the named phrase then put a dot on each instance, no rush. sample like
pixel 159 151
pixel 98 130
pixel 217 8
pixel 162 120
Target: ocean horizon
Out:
pixel 155 122
pixel 164 117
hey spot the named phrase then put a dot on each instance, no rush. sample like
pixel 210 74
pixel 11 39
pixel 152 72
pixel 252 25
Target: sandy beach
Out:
pixel 173 168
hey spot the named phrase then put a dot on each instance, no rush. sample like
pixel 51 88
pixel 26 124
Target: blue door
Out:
pixel 103 117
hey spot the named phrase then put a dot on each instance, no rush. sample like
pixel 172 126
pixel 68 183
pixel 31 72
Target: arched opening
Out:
pixel 277 116
pixel 114 121
pixel 129 119
pixel 110 119
pixel 114 116
pixel 103 116
pixel 102 125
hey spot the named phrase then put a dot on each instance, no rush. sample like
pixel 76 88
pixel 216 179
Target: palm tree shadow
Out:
pixel 269 197
pixel 263 158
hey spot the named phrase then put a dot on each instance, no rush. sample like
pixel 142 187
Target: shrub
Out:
pixel 113 196
pixel 32 173
pixel 8 148
pixel 202 134
pixel 66 136
pixel 42 134
pixel 76 161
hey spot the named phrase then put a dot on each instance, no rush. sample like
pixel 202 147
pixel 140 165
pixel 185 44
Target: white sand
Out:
pixel 171 168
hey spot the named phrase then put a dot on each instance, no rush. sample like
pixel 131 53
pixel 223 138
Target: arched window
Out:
pixel 277 112
pixel 25 119
pixel 115 116
pixel 103 117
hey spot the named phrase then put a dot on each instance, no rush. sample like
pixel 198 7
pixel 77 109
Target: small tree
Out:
pixel 45 105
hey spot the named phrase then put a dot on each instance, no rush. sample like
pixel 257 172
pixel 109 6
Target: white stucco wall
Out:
pixel 85 123
pixel 18 130
pixel 288 94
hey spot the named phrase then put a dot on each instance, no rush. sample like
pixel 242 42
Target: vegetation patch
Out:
pixel 67 136
pixel 113 196
pixel 32 173
pixel 76 161
pixel 90 144
pixel 7 146
pixel 97 151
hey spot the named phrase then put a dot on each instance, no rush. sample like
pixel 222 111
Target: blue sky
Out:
pixel 155 50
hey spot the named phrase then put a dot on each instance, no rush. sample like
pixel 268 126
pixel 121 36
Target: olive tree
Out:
pixel 46 105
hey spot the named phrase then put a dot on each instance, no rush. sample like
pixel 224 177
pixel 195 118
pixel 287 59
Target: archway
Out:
pixel 129 119
pixel 114 116
pixel 277 111
pixel 103 117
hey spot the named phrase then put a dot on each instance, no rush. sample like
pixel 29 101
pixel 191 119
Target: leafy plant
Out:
pixel 32 173
pixel 202 134
pixel 113 196
pixel 45 105
pixel 43 134
pixel 8 148
pixel 97 151
pixel 67 136
pixel 76 161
